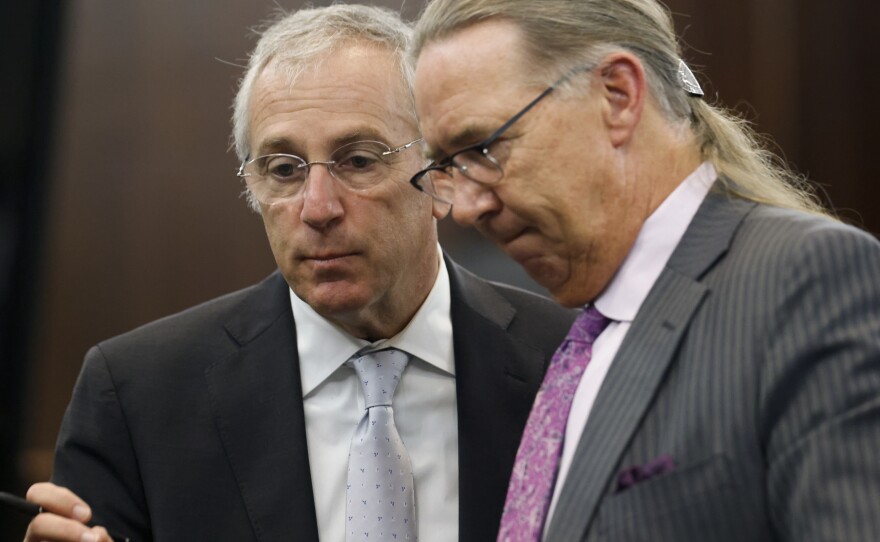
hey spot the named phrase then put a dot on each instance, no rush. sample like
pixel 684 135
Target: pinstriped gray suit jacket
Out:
pixel 754 364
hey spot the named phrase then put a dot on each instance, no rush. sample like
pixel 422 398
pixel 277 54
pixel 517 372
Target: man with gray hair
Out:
pixel 723 381
pixel 370 389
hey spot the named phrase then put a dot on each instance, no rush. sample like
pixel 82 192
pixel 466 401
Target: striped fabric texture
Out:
pixel 744 403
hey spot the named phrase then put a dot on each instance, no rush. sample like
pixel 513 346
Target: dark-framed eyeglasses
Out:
pixel 475 161
pixel 360 165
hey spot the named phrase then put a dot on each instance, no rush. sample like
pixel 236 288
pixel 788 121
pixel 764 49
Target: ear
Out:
pixel 624 91
pixel 440 209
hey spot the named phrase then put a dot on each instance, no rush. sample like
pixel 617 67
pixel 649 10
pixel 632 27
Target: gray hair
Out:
pixel 301 39
pixel 559 35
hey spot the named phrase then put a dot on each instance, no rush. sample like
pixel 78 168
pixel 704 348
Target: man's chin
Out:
pixel 572 291
pixel 335 298
pixel 577 293
pixel 554 278
pixel 570 286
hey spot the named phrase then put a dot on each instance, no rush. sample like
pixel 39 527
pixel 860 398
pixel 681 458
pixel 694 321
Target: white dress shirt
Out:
pixel 624 295
pixel 425 411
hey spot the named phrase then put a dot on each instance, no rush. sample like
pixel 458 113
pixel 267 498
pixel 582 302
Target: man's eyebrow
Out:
pixel 287 146
pixel 275 145
pixel 469 135
pixel 360 134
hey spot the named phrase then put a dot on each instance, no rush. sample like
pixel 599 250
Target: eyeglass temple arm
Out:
pixel 491 139
pixel 402 147
pixel 568 75
pixel 241 172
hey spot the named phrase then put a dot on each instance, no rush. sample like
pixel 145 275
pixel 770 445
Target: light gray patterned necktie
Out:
pixel 380 494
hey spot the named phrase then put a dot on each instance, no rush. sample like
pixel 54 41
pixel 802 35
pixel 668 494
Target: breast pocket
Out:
pixel 702 501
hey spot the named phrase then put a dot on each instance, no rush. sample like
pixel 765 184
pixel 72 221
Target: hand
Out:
pixel 64 518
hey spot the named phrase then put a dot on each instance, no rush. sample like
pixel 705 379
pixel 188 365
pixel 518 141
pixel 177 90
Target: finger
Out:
pixel 101 535
pixel 54 528
pixel 59 500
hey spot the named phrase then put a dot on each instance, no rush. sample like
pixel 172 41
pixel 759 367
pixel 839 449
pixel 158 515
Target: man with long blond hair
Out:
pixel 723 382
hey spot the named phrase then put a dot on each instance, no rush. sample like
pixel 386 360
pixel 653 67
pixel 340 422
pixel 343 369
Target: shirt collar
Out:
pixel 323 346
pixel 654 245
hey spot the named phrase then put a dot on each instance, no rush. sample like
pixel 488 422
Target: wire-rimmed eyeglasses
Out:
pixel 475 162
pixel 358 166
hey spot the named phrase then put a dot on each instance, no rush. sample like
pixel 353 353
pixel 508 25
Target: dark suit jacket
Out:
pixel 192 428
pixel 745 399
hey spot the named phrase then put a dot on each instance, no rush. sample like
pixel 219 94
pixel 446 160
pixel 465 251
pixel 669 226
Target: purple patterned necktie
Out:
pixel 537 461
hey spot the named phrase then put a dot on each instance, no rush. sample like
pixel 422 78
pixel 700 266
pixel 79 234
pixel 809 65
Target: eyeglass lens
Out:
pixel 475 164
pixel 357 165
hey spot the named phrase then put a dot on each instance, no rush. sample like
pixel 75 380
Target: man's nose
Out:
pixel 322 197
pixel 473 201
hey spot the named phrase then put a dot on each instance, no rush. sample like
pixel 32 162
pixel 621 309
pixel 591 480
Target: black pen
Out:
pixel 31 509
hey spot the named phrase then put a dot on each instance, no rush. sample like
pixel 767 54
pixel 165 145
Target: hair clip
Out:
pixel 688 81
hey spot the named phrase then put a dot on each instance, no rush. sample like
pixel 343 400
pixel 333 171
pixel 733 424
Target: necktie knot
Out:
pixel 379 373
pixel 587 326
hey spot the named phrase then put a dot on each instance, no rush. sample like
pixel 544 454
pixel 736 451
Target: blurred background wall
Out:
pixel 120 203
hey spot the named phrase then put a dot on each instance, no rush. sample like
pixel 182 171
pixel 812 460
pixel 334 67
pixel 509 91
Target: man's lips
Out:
pixel 328 256
pixel 329 265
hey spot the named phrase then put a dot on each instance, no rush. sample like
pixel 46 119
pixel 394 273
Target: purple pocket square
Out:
pixel 640 473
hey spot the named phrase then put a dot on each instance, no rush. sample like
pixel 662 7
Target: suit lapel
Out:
pixel 496 378
pixel 641 362
pixel 256 398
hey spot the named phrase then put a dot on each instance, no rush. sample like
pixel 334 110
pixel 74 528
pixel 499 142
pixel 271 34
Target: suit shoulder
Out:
pixel 544 320
pixel 796 227
pixel 531 318
pixel 772 235
pixel 199 332
pixel 205 315
pixel 530 301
